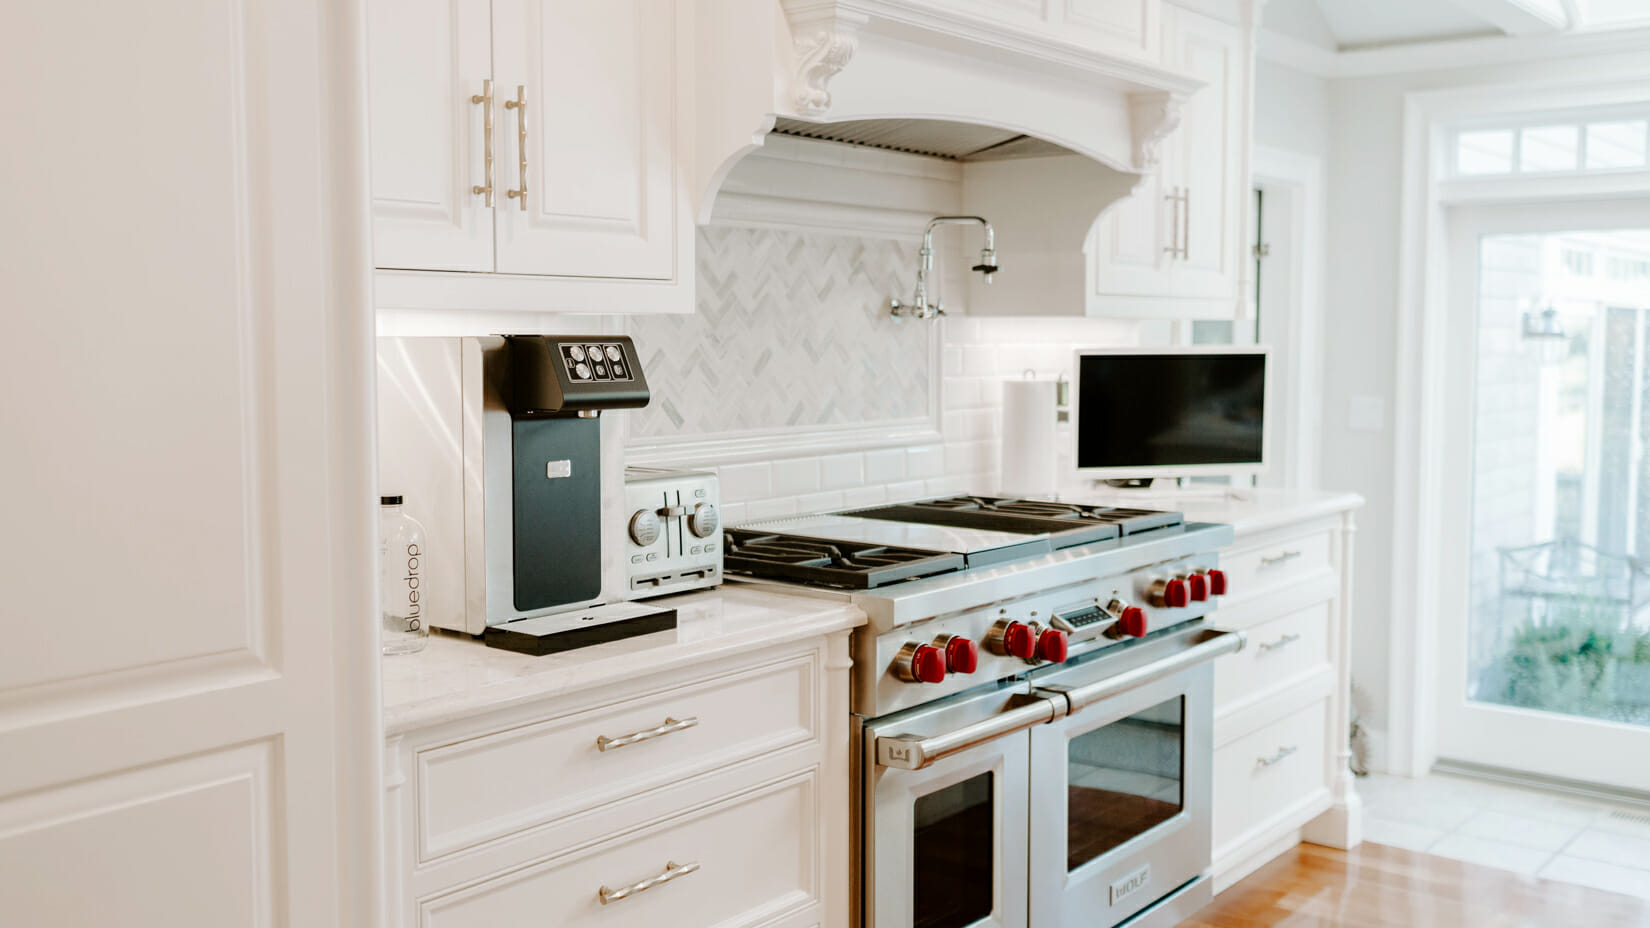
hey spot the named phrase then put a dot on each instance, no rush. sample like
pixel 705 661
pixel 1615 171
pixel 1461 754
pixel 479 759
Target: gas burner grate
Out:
pixel 1128 521
pixel 842 564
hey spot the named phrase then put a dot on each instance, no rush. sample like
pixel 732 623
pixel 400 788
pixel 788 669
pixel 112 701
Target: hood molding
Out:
pixel 826 36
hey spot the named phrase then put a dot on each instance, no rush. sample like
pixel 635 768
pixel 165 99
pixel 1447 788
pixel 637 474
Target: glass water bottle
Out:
pixel 401 578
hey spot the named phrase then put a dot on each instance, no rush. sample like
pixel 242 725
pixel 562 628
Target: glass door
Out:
pixel 1546 652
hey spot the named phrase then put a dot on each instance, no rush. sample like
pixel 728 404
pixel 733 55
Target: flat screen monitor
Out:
pixel 1172 412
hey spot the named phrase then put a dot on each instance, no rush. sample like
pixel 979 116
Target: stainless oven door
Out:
pixel 1121 785
pixel 944 806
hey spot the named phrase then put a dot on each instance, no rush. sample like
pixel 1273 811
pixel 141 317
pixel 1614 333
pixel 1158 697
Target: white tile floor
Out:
pixel 1535 833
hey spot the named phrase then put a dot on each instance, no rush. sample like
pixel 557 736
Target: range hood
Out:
pixel 1047 130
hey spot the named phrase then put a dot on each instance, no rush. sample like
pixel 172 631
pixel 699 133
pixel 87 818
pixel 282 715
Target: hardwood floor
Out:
pixel 1375 886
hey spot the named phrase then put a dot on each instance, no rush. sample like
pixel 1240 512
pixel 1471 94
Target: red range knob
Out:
pixel 1132 623
pixel 1052 646
pixel 1170 594
pixel 1217 583
pixel 1018 641
pixel 961 655
pixel 1197 587
pixel 927 664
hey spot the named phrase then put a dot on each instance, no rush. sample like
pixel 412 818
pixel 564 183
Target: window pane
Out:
pixel 1548 148
pixel 1484 152
pixel 1559 582
pixel 1616 144
pixel 1123 780
pixel 954 861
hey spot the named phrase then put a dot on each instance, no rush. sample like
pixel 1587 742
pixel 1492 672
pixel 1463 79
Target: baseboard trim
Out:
pixel 1637 798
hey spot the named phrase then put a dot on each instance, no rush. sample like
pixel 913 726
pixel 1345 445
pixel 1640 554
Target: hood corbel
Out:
pixel 823 37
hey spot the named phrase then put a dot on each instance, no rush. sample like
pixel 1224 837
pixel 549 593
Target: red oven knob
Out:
pixel 1051 646
pixel 1217 582
pixel 1012 639
pixel 961 654
pixel 1197 587
pixel 920 663
pixel 1131 624
pixel 1170 594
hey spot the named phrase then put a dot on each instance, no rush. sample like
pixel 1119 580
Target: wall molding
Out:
pixel 1450 54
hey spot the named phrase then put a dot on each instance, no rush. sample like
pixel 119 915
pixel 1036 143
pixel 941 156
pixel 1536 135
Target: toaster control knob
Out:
pixel 644 527
pixel 1170 594
pixel 704 520
pixel 1197 586
pixel 1051 646
pixel 961 654
pixel 1012 639
pixel 1130 624
pixel 1217 582
pixel 919 663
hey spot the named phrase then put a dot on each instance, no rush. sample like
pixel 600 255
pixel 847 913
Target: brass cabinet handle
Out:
pixel 604 743
pixel 673 871
pixel 1186 224
pixel 1173 248
pixel 1288 639
pixel 1285 557
pixel 519 104
pixel 1261 763
pixel 485 98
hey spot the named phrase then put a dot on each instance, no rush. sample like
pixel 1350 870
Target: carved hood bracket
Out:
pixel 823 38
pixel 1153 117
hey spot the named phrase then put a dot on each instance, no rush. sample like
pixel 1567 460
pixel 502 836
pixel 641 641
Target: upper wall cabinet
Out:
pixel 537 142
pixel 1127 27
pixel 1175 247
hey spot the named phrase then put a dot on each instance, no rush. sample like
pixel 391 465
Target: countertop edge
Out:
pixel 824 620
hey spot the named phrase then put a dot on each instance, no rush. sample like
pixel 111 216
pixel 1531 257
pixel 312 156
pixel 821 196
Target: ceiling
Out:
pixel 1346 25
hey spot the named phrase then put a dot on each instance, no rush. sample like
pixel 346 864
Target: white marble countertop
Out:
pixel 1245 510
pixel 457 677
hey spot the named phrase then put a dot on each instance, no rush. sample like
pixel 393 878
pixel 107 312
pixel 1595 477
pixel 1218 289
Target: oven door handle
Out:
pixel 914 752
pixel 1211 643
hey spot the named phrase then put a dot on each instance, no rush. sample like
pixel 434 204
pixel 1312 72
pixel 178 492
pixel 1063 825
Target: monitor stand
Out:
pixel 1142 493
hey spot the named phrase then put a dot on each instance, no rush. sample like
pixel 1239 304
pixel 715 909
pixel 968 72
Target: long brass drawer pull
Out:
pixel 673 871
pixel 1288 639
pixel 1277 559
pixel 485 98
pixel 604 743
pixel 519 104
pixel 1261 763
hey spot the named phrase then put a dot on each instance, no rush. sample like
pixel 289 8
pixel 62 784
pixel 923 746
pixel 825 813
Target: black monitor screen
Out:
pixel 1170 410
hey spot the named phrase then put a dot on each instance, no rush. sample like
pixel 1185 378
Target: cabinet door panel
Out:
pixel 427 58
pixel 1208 157
pixel 1129 250
pixel 598 81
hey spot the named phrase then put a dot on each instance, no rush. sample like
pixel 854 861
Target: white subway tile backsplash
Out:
pixel 798 475
pixel 841 470
pixel 770 509
pixel 925 461
pixel 733 513
pixel 864 496
pixel 951 360
pixel 979 360
pixel 743 482
pixel 909 489
pixel 885 465
pixel 821 502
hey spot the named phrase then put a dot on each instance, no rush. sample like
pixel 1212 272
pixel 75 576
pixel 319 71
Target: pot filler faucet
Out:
pixel 919 307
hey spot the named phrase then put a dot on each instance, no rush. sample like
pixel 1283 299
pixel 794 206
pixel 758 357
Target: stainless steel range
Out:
pixel 1032 700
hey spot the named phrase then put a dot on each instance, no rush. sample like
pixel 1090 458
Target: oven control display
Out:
pixel 593 362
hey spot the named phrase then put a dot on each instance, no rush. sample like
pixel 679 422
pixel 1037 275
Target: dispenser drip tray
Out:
pixel 551 634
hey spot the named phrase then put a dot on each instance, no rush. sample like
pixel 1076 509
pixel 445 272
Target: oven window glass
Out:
pixel 1123 780
pixel 955 864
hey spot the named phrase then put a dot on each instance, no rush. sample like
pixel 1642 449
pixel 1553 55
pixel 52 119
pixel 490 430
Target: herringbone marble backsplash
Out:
pixel 792 331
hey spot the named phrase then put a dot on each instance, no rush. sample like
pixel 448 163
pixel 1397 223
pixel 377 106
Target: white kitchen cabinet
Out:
pixel 540 143
pixel 1282 705
pixel 1119 27
pixel 720 764
pixel 1174 248
pixel 188 683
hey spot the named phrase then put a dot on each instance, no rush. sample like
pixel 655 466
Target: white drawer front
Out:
pixel 1278 651
pixel 488 787
pixel 1264 773
pixel 1254 571
pixel 755 857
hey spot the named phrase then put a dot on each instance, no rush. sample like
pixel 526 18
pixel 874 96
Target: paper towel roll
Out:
pixel 1029 465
